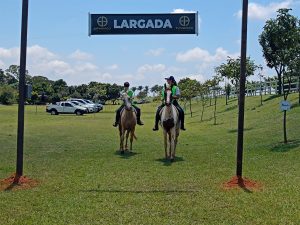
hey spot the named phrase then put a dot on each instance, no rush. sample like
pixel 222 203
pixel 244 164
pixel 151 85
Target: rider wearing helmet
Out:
pixel 129 93
pixel 175 95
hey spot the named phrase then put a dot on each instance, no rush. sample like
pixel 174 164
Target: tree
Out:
pixel 142 94
pixel 231 70
pixel 7 95
pixel 278 42
pixel 204 90
pixel 13 74
pixel 134 89
pixel 227 92
pixel 146 90
pixel 214 88
pixel 140 88
pixel 189 89
pixel 2 77
pixel 113 92
pixel 156 90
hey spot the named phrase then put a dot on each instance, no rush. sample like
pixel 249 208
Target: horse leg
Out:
pixel 170 145
pixel 166 144
pixel 122 141
pixel 126 141
pixel 131 138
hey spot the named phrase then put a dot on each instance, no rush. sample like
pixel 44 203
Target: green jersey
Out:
pixel 129 92
pixel 175 91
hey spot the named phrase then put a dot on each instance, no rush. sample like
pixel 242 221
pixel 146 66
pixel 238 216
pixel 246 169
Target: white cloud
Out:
pixel 2 64
pixel 155 52
pixel 198 54
pixel 81 56
pixel 203 61
pixel 86 67
pixel 263 12
pixel 198 77
pixel 39 53
pixel 183 11
pixel 151 68
pixel 9 53
pixel 113 67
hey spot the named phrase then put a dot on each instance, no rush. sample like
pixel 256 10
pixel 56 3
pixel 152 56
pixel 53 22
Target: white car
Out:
pixel 89 108
pixel 66 108
pixel 82 101
pixel 99 106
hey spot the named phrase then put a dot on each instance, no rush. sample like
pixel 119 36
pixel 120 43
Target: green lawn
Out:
pixel 84 180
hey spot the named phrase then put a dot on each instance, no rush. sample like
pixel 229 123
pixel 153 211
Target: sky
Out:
pixel 59 46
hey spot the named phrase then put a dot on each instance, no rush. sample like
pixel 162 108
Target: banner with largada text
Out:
pixel 171 23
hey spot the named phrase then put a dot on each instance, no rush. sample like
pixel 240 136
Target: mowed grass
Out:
pixel 84 180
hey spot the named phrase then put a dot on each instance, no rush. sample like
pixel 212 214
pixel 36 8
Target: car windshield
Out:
pixel 81 101
pixel 89 101
pixel 76 103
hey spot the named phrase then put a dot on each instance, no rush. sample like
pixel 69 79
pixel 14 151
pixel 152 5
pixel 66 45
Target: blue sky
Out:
pixel 59 45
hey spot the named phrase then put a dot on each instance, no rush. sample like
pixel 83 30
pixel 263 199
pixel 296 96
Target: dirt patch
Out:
pixel 13 183
pixel 237 182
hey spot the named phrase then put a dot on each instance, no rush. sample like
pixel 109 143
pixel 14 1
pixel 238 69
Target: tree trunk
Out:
pixel 284 127
pixel 279 74
pixel 215 112
pixel 191 108
pixel 226 98
pixel 202 113
pixel 299 90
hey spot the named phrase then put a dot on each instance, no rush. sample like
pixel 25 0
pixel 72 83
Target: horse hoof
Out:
pixel 172 160
pixel 122 152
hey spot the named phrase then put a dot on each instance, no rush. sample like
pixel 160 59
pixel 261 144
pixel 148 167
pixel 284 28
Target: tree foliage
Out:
pixel 280 42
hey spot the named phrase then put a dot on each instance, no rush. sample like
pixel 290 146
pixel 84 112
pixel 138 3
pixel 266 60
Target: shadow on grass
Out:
pixel 271 97
pixel 230 108
pixel 137 191
pixel 126 154
pixel 295 105
pixel 236 130
pixel 167 162
pixel 282 147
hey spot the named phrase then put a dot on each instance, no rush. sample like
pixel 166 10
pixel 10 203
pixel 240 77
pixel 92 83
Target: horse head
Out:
pixel 168 95
pixel 127 103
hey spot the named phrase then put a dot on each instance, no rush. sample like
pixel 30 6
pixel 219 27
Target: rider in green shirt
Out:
pixel 129 93
pixel 175 95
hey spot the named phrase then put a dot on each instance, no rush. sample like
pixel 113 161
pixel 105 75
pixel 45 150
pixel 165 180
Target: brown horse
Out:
pixel 127 125
pixel 170 123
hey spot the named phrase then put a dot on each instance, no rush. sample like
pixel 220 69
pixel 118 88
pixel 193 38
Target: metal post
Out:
pixel 20 137
pixel 239 163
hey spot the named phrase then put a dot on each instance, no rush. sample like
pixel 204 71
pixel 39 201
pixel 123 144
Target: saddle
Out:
pixel 133 109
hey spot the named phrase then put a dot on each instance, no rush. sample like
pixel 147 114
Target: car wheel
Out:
pixel 78 112
pixel 53 112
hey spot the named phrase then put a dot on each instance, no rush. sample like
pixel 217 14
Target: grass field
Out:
pixel 84 180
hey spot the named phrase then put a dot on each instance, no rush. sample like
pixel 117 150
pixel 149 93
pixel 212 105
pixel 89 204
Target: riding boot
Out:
pixel 182 120
pixel 117 119
pixel 138 118
pixel 157 118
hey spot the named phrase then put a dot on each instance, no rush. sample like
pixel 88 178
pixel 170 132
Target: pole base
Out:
pixel 15 182
pixel 238 182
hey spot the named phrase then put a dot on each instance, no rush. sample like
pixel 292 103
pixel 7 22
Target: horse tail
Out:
pixel 134 136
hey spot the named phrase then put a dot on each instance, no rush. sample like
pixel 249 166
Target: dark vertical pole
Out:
pixel 20 141
pixel 239 163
